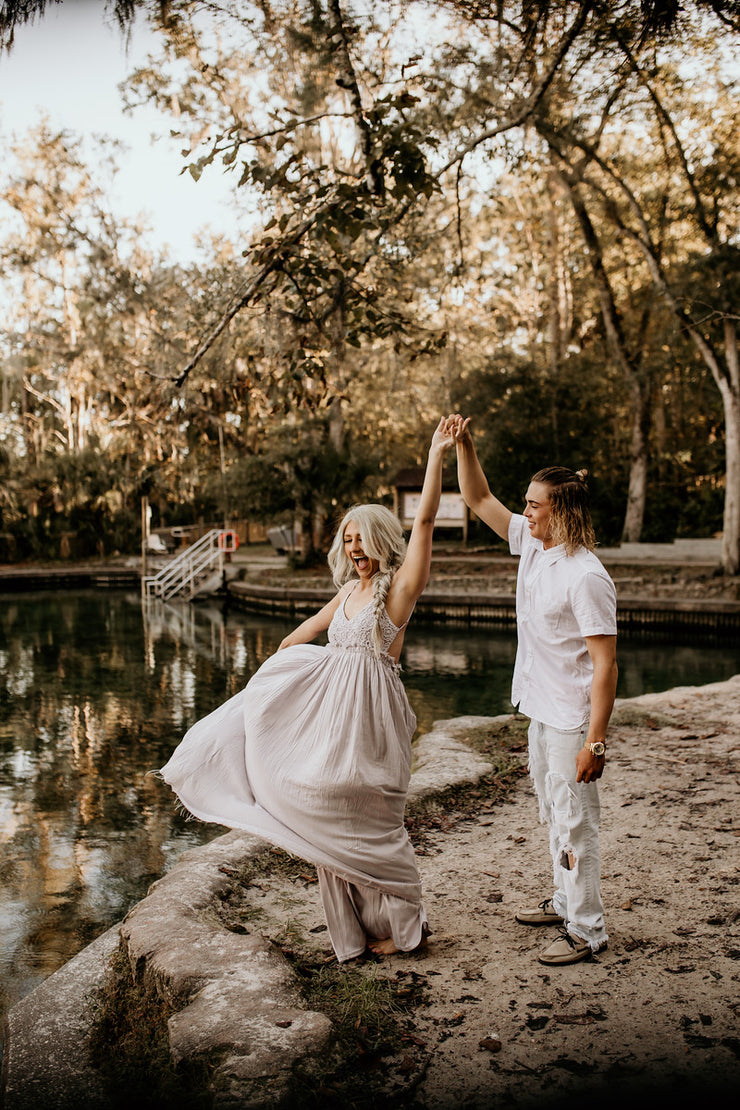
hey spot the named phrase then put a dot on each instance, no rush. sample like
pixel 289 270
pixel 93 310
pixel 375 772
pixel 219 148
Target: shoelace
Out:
pixel 565 935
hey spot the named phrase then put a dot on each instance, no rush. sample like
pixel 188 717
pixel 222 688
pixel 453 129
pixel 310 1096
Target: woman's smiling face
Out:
pixel 363 564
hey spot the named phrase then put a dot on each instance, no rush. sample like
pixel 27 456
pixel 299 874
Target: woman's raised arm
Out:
pixel 413 575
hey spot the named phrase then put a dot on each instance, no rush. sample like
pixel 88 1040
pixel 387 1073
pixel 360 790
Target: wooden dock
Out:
pixel 636 616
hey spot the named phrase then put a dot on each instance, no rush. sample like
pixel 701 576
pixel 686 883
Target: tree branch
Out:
pixel 530 104
pixel 609 311
pixel 643 238
pixel 250 288
pixel 709 230
pixel 348 80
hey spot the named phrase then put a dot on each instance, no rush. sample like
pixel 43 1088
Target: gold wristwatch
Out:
pixel 597 748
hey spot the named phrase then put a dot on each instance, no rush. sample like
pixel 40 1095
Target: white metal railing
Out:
pixel 191 569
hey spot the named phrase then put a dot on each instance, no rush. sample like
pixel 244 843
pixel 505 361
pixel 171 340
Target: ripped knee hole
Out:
pixel 568 859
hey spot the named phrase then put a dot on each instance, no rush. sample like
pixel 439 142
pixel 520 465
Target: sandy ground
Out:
pixel 655 1019
pixel 662 1005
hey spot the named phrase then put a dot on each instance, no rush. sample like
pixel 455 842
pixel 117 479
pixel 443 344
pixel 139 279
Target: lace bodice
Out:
pixel 357 632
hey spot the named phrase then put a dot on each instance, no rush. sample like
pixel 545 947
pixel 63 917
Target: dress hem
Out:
pixel 296 846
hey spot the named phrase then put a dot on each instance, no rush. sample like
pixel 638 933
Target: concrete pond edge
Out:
pixel 236 995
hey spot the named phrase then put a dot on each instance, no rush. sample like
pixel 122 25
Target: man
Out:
pixel 565 680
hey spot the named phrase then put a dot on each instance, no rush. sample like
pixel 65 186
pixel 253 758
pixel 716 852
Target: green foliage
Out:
pixel 301 472
pixel 71 506
pixel 526 419
pixel 420 250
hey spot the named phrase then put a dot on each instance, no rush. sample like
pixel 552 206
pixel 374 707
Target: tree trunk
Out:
pixel 729 388
pixel 559 300
pixel 731 519
pixel 637 491
pixel 304 519
pixel 627 362
pixel 727 378
pixel 337 430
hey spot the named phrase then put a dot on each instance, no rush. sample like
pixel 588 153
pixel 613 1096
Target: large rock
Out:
pixel 46 1065
pixel 235 995
pixel 442 759
pixel 238 993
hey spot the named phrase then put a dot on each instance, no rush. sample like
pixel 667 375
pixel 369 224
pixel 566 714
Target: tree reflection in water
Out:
pixel 93 697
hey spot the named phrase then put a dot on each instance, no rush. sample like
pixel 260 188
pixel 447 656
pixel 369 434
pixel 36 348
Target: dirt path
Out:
pixel 662 1005
pixel 654 1019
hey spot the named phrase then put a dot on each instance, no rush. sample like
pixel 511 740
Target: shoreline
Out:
pixel 660 590
pixel 657 1010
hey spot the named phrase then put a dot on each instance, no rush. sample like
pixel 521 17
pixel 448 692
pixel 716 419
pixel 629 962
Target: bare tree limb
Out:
pixel 348 80
pixel 641 235
pixel 709 230
pixel 528 107
pixel 250 288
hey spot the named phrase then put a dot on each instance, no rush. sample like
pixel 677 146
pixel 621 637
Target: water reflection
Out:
pixel 83 718
pixel 92 697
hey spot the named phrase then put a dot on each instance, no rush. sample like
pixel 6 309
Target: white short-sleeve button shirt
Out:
pixel 560 599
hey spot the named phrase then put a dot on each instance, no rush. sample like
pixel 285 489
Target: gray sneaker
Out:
pixel 544 914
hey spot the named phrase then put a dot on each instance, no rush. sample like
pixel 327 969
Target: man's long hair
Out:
pixel 570 515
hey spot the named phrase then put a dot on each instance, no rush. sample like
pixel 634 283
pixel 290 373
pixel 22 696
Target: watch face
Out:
pixel 598 748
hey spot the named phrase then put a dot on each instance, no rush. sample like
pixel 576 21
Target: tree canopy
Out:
pixel 528 209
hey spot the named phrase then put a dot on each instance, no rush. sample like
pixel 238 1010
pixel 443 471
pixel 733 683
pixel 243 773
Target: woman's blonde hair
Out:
pixel 570 515
pixel 382 540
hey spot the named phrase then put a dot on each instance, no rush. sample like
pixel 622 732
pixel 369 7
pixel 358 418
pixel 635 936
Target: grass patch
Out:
pixel 129 1046
pixel 233 909
pixel 274 862
pixel 376 1057
pixel 499 738
pixel 364 1006
pixel 503 742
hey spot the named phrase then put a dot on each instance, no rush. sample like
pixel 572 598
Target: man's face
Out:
pixel 537 512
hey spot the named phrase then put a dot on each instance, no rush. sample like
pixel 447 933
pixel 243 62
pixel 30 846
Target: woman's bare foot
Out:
pixel 386 947
pixel 381 947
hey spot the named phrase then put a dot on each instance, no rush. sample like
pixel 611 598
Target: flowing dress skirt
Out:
pixel 314 755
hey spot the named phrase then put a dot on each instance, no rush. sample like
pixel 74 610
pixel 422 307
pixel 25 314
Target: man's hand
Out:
pixel 589 767
pixel 458 428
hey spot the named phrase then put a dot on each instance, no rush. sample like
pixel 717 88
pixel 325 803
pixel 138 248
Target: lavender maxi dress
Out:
pixel 314 755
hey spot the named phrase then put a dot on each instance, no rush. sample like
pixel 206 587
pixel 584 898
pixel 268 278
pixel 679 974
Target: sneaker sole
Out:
pixel 575 958
pixel 550 919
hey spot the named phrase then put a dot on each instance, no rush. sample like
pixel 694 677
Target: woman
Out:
pixel 315 753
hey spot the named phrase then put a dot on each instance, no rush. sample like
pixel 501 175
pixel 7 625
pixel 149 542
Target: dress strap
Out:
pixel 408 618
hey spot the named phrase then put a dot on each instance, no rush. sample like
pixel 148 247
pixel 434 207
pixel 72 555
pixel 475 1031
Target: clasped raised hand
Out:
pixel 457 426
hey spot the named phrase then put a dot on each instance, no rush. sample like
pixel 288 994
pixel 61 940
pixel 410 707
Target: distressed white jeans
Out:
pixel 570 810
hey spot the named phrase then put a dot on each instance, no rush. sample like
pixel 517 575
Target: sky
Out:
pixel 67 65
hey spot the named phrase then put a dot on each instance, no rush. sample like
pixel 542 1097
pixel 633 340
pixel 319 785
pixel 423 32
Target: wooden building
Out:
pixel 453 512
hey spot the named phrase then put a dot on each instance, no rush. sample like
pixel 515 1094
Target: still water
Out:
pixel 94 693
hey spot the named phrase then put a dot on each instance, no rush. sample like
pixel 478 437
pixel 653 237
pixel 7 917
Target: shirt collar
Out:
pixel 551 554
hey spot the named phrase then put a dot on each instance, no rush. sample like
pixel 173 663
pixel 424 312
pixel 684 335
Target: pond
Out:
pixel 96 692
